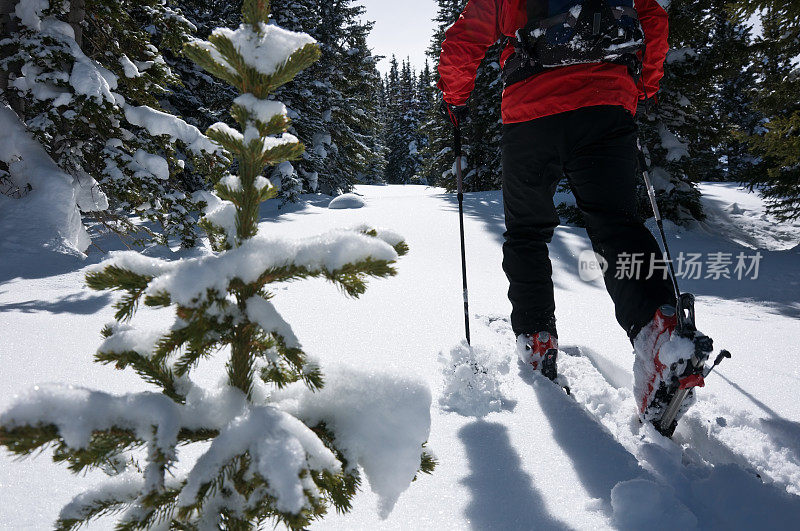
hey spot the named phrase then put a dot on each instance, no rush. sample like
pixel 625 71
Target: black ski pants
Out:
pixel 595 147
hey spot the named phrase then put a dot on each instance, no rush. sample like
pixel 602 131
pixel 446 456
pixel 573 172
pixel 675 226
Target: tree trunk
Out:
pixel 7 26
pixel 77 13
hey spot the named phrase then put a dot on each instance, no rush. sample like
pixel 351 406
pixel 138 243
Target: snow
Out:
pixel 30 11
pixel 676 150
pixel 644 504
pixel 280 447
pixel 263 313
pixel 126 338
pixel 261 110
pixel 251 134
pixel 380 423
pixel 79 412
pixel 161 123
pixel 347 201
pixel 48 216
pixel 89 79
pixel 188 280
pixel 471 387
pixel 124 488
pixel 681 55
pixel 128 67
pixel 154 164
pixel 541 457
pixel 265 50
pixel 219 212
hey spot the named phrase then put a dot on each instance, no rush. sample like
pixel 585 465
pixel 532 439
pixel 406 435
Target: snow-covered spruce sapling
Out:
pixel 276 443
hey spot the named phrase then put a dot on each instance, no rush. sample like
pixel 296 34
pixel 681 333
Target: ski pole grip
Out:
pixel 457 147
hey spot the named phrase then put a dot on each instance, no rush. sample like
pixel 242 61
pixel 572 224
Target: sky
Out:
pixel 402 27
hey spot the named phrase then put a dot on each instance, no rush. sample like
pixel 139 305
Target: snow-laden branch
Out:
pixel 187 281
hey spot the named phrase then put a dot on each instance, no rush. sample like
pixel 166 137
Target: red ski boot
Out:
pixel 538 350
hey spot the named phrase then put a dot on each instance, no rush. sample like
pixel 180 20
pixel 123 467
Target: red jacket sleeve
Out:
pixel 464 48
pixel 655 24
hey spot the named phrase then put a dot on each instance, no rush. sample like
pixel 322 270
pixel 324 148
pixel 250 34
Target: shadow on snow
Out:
pixel 502 495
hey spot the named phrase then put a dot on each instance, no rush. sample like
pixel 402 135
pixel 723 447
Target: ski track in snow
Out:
pixel 724 469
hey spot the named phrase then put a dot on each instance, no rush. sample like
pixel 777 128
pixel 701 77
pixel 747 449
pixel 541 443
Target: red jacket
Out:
pixel 562 89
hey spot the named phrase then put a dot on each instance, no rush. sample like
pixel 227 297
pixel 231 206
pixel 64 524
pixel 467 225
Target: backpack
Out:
pixel 568 32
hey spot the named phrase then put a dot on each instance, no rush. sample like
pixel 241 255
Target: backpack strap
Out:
pixel 520 65
pixel 599 35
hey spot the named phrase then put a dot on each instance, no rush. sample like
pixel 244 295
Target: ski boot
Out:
pixel 541 351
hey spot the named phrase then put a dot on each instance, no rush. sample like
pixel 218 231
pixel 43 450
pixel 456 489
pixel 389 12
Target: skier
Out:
pixel 574 73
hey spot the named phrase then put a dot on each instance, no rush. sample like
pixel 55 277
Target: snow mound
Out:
pixel 735 209
pixel 471 386
pixel 48 216
pixel 347 201
pixel 379 421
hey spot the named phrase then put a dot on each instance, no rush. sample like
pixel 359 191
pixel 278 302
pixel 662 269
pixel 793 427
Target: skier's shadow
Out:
pixel 600 461
pixel 502 494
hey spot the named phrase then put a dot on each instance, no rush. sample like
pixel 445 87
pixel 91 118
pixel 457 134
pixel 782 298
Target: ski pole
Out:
pixel 460 195
pixel 645 165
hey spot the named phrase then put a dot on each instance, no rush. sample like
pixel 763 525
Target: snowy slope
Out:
pixel 514 452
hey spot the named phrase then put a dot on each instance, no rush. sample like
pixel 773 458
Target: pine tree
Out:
pixel 376 171
pixel 776 143
pixel 481 133
pixel 681 142
pixel 359 130
pixel 201 99
pixel 260 461
pixel 705 96
pixel 306 107
pixel 484 134
pixel 438 154
pixel 734 85
pixel 396 145
pixel 403 114
pixel 88 86
pixel 424 97
pixel 335 107
pixel 427 98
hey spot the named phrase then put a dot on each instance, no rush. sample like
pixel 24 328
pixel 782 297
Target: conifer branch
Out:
pixel 92 510
pixel 161 506
pixel 23 441
pixel 120 279
pixel 350 278
pixel 151 370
